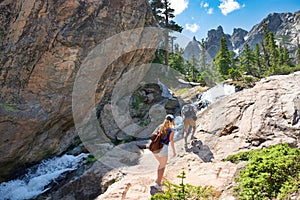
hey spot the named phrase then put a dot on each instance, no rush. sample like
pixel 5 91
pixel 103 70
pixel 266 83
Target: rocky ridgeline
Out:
pixel 285 27
pixel 255 118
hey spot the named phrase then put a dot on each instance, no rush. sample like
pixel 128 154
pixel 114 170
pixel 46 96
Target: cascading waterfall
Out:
pixel 214 94
pixel 37 179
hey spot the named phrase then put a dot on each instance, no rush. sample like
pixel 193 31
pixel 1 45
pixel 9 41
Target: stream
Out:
pixel 38 178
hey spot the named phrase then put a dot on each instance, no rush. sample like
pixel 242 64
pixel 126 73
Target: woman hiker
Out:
pixel 167 130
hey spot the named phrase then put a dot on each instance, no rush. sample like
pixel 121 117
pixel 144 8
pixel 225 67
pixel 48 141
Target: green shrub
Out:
pixel 248 79
pixel 91 159
pixel 185 191
pixel 137 101
pixel 144 123
pixel 283 70
pixel 271 173
pixel 242 156
pixel 235 74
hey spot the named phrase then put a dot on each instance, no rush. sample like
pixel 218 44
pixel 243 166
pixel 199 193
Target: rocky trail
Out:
pixel 239 122
pixel 139 180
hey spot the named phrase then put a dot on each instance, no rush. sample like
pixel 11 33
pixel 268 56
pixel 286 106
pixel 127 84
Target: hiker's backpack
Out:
pixel 156 144
pixel 188 111
pixel 157 141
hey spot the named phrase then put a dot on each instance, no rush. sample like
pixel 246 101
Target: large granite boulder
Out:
pixel 43 45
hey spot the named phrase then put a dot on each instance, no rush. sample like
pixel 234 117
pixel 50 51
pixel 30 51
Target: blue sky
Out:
pixel 199 16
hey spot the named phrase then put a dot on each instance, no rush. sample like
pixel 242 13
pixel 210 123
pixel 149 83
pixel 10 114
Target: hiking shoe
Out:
pixel 158 187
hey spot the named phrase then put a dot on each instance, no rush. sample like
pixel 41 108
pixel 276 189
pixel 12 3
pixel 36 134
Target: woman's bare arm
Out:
pixel 172 143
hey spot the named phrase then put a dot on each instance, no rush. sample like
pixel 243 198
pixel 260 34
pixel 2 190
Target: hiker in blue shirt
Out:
pixel 188 113
pixel 167 130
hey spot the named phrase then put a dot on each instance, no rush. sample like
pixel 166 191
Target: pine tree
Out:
pixel 164 14
pixel 265 44
pixel 234 61
pixel 280 56
pixel 157 6
pixel 176 60
pixel 223 60
pixel 203 55
pixel 298 52
pixel 272 49
pixel 286 58
pixel 247 60
pixel 258 61
pixel 193 68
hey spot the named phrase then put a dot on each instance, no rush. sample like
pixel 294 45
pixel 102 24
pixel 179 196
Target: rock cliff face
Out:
pixel 43 44
pixel 238 37
pixel 212 42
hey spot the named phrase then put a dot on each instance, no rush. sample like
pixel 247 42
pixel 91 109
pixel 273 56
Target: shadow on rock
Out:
pixel 200 149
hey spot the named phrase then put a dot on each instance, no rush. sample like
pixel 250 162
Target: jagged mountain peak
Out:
pixel 215 33
pixel 286 29
pixel 192 50
pixel 237 31
pixel 285 26
pixel 238 37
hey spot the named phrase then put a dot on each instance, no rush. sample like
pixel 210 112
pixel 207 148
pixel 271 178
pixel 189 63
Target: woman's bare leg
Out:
pixel 161 168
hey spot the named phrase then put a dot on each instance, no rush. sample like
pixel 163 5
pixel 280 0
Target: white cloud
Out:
pixel 179 6
pixel 204 4
pixel 228 6
pixel 210 11
pixel 192 27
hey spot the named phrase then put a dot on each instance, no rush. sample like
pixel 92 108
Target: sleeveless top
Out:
pixel 166 140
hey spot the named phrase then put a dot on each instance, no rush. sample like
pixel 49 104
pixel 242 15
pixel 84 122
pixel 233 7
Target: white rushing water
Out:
pixel 37 178
pixel 217 92
pixel 179 127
